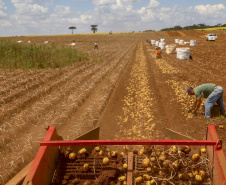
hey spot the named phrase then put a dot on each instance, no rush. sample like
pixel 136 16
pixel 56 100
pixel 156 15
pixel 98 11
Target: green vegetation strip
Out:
pixel 31 56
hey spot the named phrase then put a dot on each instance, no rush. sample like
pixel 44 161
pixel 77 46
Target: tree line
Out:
pixel 194 26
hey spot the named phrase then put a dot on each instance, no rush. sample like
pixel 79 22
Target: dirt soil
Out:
pixel 122 88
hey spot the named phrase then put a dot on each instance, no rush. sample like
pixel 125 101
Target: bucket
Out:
pixel 181 42
pixel 162 40
pixel 183 53
pixel 176 40
pixel 171 49
pixel 162 45
pixel 153 42
pixel 192 42
pixel 157 43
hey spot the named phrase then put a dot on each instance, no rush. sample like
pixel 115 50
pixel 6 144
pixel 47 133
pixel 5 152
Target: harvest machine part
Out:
pixel 44 164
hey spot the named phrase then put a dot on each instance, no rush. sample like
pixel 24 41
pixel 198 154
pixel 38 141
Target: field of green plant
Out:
pixel 14 55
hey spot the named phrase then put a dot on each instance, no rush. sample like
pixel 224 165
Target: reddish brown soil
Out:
pixel 122 89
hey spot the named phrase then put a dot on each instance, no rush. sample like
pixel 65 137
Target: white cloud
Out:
pixel 62 10
pixel 153 4
pixel 212 10
pixel 47 17
pixel 3 8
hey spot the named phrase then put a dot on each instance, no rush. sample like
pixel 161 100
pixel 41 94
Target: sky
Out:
pixel 54 17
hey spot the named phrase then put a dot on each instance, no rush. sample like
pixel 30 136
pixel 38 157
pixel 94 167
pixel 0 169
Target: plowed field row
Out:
pixel 51 99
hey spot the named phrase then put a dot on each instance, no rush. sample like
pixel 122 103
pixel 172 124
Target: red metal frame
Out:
pixel 217 143
pixel 44 162
pixel 217 157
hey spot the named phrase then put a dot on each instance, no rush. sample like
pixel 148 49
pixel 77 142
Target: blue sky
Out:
pixel 50 17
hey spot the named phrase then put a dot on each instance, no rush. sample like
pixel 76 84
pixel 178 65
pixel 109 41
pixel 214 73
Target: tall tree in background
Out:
pixel 94 28
pixel 72 28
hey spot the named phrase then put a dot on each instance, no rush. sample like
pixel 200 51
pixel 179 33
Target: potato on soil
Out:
pixel 113 153
pixel 202 173
pixel 86 167
pixel 145 162
pixel 203 150
pixel 173 150
pixel 148 169
pixel 198 178
pixel 125 166
pixel 153 159
pixel 122 178
pixel 97 148
pixel 106 160
pixel 138 180
pixel 100 152
pixel 82 151
pixel 72 156
pixel 195 157
pixel 147 177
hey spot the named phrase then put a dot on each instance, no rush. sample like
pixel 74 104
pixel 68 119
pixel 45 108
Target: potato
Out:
pixel 147 177
pixel 122 178
pixel 139 180
pixel 153 159
pixel 203 150
pixel 82 151
pixel 198 178
pixel 113 154
pixel 190 175
pixel 97 148
pixel 106 160
pixel 145 163
pixel 187 149
pixel 72 156
pixel 173 150
pixel 100 152
pixel 125 166
pixel 176 164
pixel 124 183
pixel 162 157
pixel 149 169
pixel 195 157
pixel 86 167
pixel 202 173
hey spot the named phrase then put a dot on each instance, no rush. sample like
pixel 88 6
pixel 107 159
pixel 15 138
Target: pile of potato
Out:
pixel 100 156
pixel 174 165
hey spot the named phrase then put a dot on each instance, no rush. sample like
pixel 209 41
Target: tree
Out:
pixel 72 28
pixel 94 28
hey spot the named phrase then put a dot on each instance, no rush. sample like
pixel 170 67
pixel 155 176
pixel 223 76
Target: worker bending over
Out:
pixel 212 92
pixel 158 53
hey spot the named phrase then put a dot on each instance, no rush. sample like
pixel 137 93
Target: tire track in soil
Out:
pixel 38 132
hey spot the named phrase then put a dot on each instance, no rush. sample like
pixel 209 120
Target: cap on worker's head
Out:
pixel 187 89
